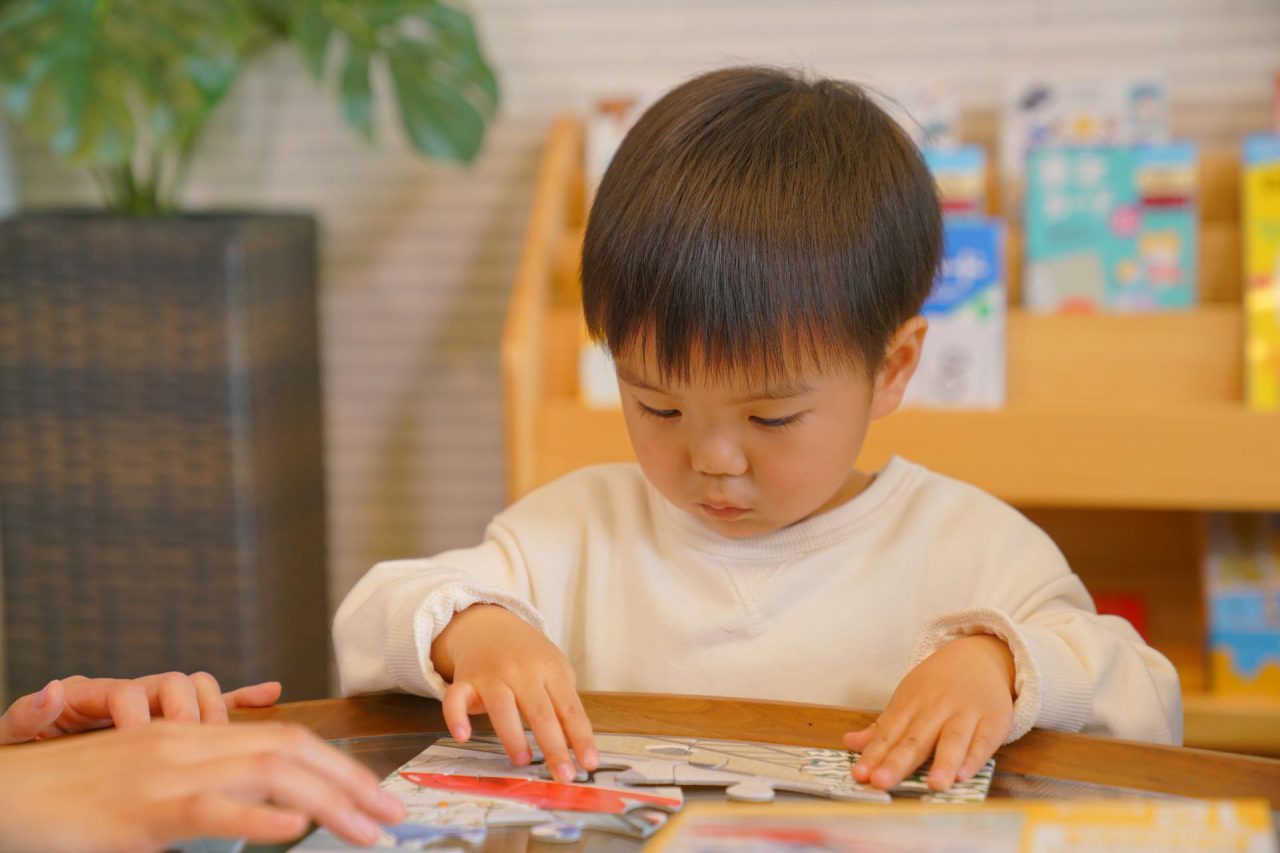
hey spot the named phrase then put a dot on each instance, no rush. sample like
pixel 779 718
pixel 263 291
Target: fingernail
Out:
pixel 565 772
pixel 590 760
pixel 42 698
pixel 964 774
pixel 521 759
pixel 464 732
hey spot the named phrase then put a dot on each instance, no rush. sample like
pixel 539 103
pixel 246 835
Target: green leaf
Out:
pixel 445 90
pixel 312 32
pixel 357 98
pixel 440 122
pixel 98 78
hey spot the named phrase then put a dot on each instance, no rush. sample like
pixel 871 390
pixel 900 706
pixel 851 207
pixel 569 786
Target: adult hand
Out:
pixel 79 704
pixel 502 666
pixel 146 787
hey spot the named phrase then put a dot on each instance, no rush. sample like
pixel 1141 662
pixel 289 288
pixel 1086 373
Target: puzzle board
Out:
pixel 457 792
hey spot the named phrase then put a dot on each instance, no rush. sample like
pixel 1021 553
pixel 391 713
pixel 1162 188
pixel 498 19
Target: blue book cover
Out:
pixel 963 362
pixel 1111 228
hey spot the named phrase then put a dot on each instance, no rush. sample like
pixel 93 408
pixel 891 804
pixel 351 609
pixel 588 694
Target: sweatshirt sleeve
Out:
pixel 1075 670
pixel 384 628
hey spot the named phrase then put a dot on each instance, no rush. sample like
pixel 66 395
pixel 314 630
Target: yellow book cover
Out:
pixel 1261 227
pixel 1016 826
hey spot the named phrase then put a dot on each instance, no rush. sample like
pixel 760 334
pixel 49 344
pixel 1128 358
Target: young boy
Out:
pixel 756 258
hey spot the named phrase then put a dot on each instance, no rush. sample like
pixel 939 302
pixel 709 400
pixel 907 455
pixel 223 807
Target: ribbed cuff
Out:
pixel 412 629
pixel 1052 690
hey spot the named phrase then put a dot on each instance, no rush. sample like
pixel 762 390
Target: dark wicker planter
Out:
pixel 161 474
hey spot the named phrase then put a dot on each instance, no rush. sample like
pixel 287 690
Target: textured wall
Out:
pixel 418 258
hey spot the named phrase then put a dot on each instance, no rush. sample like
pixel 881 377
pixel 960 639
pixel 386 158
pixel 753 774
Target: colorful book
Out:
pixel 1261 227
pixel 1015 826
pixel 963 363
pixel 1111 228
pixel 928 111
pixel 961 175
pixel 1089 110
pixel 1242 587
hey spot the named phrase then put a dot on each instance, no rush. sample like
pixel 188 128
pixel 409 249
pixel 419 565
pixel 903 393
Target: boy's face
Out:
pixel 748 460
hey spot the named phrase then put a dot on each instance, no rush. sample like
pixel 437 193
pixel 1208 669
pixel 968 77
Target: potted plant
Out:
pixel 161 478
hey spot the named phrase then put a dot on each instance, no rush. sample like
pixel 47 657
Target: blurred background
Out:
pixel 417 257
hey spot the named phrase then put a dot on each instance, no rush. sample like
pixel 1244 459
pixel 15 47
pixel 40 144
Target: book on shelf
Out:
pixel 1111 228
pixel 1260 225
pixel 963 362
pixel 961 176
pixel 929 111
pixel 1078 110
pixel 1242 589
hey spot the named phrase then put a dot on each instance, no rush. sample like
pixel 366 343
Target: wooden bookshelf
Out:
pixel 1119 433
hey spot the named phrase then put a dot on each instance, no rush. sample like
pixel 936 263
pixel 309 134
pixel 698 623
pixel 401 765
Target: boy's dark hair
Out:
pixel 752 217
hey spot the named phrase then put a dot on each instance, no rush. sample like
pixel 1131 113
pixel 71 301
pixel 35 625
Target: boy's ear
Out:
pixel 901 360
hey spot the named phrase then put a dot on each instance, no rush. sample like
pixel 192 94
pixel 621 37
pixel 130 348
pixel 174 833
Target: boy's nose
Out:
pixel 717 457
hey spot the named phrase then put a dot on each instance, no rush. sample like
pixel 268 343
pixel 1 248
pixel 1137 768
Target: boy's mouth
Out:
pixel 722 511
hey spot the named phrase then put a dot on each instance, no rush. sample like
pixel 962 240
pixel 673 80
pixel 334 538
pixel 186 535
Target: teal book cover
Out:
pixel 1111 228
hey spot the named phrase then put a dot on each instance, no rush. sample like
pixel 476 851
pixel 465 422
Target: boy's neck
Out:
pixel 855 484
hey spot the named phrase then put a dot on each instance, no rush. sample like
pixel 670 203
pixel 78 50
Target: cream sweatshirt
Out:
pixel 833 610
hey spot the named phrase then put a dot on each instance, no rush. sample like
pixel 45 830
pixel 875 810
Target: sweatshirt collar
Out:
pixel 811 534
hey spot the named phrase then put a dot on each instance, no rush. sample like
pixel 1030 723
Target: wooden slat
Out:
pixel 1101 361
pixel 1236 724
pixel 556 206
pixel 1202 458
pixel 1171 770
pixel 1149 459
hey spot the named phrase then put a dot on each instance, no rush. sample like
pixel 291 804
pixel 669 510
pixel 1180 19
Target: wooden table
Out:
pixel 1081 758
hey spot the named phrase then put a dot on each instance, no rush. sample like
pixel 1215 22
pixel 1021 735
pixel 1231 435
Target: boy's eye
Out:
pixel 658 413
pixel 776 422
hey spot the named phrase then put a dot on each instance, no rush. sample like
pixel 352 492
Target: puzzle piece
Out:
pixel 744 787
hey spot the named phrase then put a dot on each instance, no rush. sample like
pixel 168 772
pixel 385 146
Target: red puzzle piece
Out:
pixel 544 795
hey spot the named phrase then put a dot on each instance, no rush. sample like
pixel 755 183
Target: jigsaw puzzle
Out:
pixel 456 792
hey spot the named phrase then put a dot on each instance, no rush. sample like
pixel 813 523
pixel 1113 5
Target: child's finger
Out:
pixel 500 703
pixel 888 729
pixel 576 724
pixel 857 741
pixel 31 715
pixel 457 719
pixel 209 697
pixel 953 744
pixel 536 707
pixel 986 740
pixel 911 750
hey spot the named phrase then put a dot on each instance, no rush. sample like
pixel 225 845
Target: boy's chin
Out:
pixel 744 527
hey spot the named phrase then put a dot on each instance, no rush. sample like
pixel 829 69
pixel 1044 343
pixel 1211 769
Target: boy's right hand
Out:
pixel 502 666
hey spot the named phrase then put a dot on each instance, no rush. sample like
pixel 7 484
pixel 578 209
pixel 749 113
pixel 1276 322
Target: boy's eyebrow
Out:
pixel 782 391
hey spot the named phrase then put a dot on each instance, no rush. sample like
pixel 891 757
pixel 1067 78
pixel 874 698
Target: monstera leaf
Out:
pixel 125 87
pixel 445 90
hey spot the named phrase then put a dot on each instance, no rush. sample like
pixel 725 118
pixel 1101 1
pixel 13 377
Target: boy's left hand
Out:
pixel 959 700
pixel 79 704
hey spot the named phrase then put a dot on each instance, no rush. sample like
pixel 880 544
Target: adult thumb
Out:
pixel 31 715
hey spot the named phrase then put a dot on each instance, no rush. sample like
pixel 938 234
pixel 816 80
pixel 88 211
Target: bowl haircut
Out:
pixel 755 223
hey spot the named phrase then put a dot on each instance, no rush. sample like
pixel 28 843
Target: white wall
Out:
pixel 418 258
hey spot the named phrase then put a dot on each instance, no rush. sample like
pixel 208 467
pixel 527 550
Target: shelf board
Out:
pixel 1232 723
pixel 1221 456
pixel 1204 457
